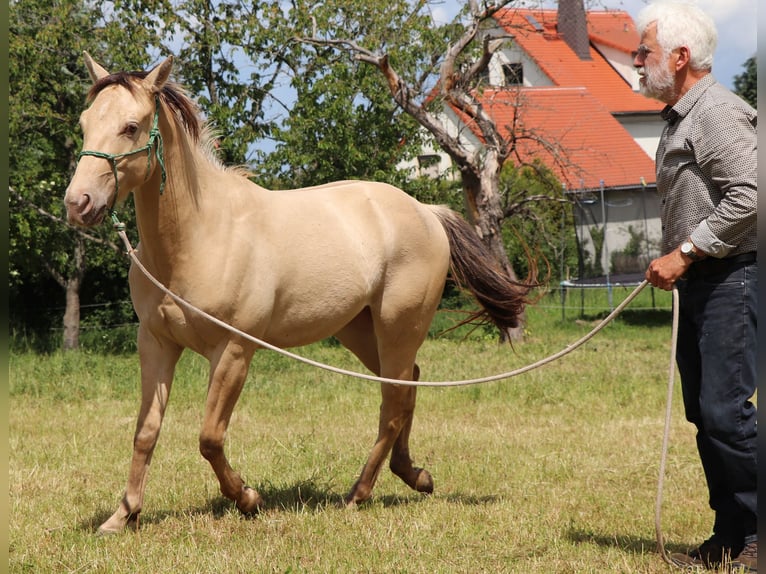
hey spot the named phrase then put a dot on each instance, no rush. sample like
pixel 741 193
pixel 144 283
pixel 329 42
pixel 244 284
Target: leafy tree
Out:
pixel 47 86
pixel 746 83
pixel 229 54
pixel 342 126
pixel 48 82
pixel 536 220
pixel 344 118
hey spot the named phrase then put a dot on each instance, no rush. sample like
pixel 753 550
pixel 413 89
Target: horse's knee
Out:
pixel 210 447
pixel 146 436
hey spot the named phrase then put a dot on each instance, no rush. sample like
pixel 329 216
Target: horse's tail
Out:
pixel 473 266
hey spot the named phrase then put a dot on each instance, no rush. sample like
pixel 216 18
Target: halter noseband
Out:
pixel 154 137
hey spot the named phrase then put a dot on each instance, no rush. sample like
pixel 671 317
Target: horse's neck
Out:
pixel 170 222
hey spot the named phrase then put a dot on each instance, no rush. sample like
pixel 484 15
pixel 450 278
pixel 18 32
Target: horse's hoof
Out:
pixel 358 495
pixel 117 523
pixel 250 502
pixel 424 482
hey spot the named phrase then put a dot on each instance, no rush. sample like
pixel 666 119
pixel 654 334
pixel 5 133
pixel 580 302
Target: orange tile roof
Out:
pixel 593 145
pixel 557 60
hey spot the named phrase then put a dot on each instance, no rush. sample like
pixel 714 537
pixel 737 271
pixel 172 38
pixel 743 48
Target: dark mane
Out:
pixel 172 95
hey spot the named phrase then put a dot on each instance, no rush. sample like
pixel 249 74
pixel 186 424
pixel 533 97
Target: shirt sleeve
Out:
pixel 725 148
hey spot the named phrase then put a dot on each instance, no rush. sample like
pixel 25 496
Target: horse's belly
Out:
pixel 313 317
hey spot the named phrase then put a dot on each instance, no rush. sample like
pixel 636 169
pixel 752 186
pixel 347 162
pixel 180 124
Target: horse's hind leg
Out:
pixel 396 410
pixel 157 367
pixel 228 371
pixel 401 464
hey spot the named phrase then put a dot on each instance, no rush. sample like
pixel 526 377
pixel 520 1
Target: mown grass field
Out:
pixel 554 471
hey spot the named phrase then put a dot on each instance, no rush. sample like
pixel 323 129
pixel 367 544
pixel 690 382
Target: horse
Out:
pixel 358 260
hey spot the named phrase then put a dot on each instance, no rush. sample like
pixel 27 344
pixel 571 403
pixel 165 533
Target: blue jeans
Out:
pixel 716 357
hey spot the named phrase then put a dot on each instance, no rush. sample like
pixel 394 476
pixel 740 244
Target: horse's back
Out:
pixel 374 219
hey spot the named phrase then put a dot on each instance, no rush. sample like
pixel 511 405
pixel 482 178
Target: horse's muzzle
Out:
pixel 82 210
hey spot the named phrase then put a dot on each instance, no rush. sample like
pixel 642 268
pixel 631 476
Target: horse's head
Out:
pixel 121 140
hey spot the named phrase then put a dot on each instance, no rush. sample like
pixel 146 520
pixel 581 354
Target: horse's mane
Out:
pixel 187 112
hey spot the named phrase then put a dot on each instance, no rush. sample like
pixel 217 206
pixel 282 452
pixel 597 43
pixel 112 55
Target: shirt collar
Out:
pixel 683 106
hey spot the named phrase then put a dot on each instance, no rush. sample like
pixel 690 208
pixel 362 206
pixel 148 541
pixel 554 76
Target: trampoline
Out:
pixel 617 231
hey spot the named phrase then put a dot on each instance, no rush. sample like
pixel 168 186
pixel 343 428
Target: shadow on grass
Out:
pixel 634 544
pixel 638 318
pixel 297 498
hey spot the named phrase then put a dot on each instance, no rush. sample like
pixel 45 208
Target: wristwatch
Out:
pixel 687 248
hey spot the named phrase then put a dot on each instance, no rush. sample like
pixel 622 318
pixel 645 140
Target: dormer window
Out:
pixel 513 74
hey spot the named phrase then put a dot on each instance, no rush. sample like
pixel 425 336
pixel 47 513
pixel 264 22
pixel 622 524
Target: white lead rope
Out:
pixel 666 432
pixel 506 375
pixel 262 343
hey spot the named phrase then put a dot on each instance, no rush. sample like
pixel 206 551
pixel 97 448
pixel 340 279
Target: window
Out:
pixel 429 165
pixel 513 74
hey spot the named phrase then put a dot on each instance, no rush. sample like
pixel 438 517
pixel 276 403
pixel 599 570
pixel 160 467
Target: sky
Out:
pixel 735 19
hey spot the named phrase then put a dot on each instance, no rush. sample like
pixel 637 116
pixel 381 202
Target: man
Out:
pixel 706 179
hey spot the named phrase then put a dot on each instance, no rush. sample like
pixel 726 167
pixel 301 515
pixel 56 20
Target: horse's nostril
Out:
pixel 84 204
pixel 78 204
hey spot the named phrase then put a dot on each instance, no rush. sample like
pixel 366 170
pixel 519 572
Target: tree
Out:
pixel 48 83
pixel 229 54
pixel 427 68
pixel 746 84
pixel 343 124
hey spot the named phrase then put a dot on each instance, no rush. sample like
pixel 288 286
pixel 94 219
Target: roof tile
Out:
pixel 572 133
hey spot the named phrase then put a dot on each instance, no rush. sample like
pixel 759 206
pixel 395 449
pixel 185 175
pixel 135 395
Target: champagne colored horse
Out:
pixel 357 260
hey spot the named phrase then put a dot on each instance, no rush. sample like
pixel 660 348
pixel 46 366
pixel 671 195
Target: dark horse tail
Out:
pixel 473 267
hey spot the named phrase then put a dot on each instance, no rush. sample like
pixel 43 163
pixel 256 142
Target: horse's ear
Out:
pixel 160 74
pixel 95 70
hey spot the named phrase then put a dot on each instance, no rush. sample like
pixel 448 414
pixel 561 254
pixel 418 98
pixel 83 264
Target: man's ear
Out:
pixel 684 57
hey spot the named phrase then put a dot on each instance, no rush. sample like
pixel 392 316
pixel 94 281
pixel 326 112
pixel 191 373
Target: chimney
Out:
pixel 573 27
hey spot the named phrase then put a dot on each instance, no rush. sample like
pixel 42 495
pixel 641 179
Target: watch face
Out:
pixel 687 248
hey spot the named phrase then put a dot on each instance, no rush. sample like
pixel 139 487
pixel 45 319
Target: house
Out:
pixel 567 77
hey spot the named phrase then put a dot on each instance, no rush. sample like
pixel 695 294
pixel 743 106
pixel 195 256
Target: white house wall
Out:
pixel 646 131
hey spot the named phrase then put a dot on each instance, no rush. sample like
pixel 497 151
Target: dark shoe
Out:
pixel 747 560
pixel 710 554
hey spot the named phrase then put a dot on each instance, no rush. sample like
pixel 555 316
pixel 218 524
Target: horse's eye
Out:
pixel 131 129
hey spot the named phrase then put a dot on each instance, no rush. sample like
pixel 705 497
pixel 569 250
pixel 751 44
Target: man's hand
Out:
pixel 664 271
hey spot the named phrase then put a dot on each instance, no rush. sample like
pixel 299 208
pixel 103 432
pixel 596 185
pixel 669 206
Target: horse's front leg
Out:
pixel 228 371
pixel 158 363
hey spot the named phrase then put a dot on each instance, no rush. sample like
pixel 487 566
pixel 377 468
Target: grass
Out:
pixel 554 471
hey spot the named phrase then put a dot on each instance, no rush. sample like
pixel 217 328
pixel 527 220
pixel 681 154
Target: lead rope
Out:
pixel 666 433
pixel 120 228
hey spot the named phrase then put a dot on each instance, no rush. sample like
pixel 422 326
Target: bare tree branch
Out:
pixel 62 221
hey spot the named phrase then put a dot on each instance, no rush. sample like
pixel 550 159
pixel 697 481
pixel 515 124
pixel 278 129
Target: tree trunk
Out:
pixel 72 285
pixel 72 316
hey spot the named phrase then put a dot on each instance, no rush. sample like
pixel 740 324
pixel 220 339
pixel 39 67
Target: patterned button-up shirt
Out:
pixel 707 171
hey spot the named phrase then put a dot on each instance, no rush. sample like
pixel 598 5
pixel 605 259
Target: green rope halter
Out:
pixel 154 137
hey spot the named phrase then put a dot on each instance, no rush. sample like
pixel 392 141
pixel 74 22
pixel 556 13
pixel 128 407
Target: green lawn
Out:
pixel 554 471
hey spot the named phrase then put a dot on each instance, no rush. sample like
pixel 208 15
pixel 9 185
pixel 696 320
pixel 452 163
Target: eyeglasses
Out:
pixel 641 53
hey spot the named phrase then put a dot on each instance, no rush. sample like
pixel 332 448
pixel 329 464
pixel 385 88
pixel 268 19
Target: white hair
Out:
pixel 679 24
